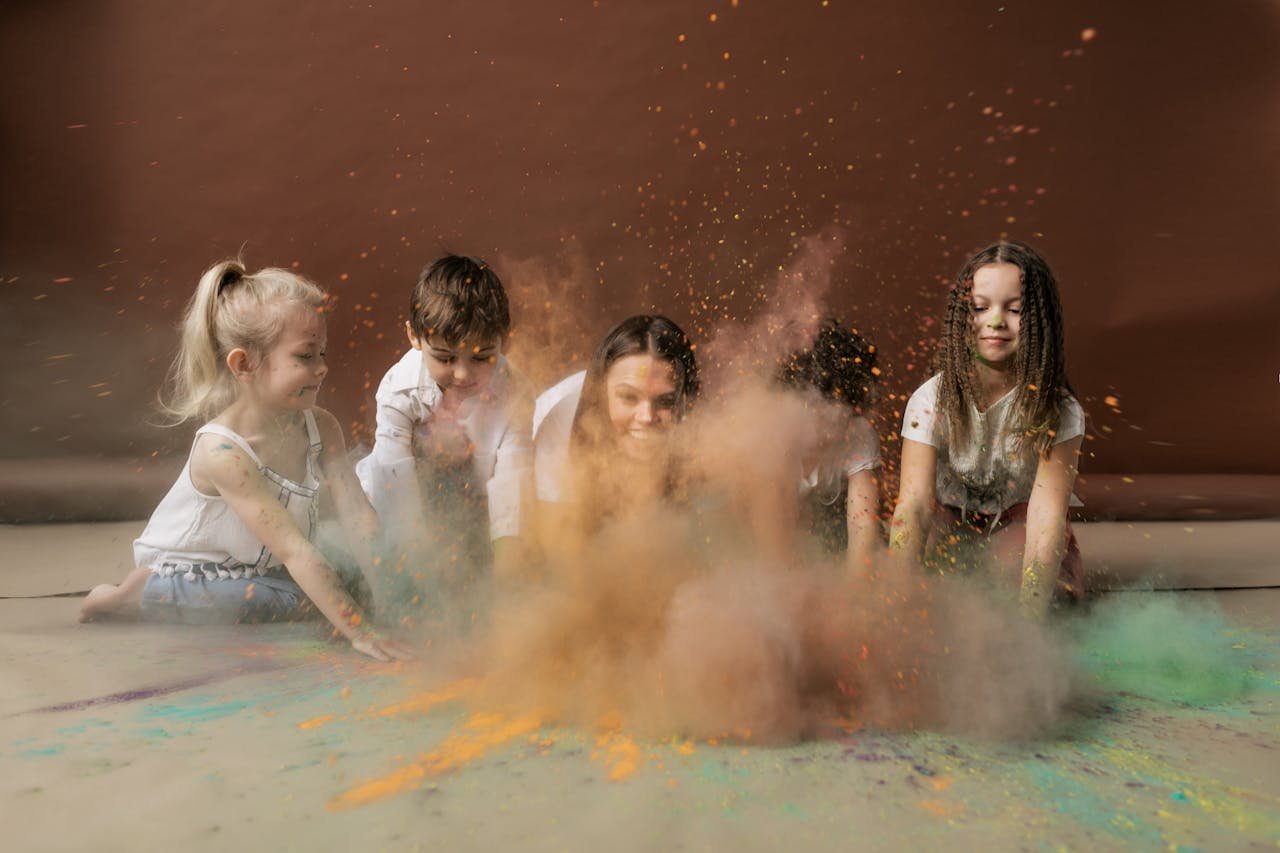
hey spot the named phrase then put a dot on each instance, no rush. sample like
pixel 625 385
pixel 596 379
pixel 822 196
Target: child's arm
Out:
pixel 394 422
pixel 862 512
pixel 240 483
pixel 862 489
pixel 910 528
pixel 355 513
pixel 1047 526
pixel 390 475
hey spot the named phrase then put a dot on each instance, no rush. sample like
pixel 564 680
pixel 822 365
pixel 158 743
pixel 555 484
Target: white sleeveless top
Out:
pixel 198 535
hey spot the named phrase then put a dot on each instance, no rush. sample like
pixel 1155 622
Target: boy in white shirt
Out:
pixel 453 416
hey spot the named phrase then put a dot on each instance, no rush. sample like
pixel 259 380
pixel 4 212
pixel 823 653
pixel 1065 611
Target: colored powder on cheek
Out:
pixel 1160 647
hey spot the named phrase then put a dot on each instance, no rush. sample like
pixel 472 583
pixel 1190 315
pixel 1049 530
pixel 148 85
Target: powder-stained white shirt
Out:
pixel 496 421
pixel 987 474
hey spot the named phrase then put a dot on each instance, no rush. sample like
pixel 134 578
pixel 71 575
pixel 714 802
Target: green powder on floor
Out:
pixel 1165 647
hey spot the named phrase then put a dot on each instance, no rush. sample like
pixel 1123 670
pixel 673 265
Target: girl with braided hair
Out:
pixel 991 442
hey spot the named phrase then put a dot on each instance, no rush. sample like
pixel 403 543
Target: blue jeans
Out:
pixel 224 601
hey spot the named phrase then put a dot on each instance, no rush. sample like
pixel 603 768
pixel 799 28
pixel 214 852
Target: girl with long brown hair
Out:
pixel 991 442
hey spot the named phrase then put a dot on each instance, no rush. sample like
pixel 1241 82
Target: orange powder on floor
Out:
pixel 481 733
pixel 620 754
pixel 315 722
pixel 423 702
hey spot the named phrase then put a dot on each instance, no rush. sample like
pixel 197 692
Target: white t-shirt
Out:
pixel 987 475
pixel 552 423
pixel 495 421
pixel 858 450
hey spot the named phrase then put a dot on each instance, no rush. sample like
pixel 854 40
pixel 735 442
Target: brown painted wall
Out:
pixel 639 156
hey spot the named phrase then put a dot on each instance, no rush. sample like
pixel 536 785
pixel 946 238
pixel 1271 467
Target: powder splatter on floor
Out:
pixel 1167 748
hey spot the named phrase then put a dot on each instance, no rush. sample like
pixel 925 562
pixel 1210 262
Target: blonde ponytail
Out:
pixel 229 310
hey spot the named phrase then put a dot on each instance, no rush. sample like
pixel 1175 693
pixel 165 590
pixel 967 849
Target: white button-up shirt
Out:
pixel 496 422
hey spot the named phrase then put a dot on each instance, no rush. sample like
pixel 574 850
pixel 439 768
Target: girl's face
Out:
pixel 641 393
pixel 997 310
pixel 290 375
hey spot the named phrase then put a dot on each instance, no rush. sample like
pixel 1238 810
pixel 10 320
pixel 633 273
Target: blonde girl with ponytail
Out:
pixel 232 541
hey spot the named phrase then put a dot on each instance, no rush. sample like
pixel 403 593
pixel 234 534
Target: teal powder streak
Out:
pixel 196 713
pixel 1167 649
pixel 1080 800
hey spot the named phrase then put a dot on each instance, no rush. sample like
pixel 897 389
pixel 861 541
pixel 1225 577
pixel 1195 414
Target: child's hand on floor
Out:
pixel 380 648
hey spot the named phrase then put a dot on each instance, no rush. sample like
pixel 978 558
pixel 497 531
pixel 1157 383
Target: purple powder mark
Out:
pixel 149 692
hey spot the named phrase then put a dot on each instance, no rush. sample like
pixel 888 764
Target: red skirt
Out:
pixel 1007 534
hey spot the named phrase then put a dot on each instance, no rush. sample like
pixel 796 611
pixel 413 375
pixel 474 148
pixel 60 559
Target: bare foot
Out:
pixel 106 600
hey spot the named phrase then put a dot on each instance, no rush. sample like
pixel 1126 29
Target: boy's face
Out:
pixel 462 369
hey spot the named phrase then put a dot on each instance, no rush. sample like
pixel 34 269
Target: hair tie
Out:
pixel 230 277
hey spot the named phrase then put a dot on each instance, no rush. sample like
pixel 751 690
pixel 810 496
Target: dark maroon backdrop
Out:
pixel 629 156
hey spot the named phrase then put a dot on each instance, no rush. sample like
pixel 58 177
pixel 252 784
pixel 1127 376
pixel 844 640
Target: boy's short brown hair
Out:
pixel 459 298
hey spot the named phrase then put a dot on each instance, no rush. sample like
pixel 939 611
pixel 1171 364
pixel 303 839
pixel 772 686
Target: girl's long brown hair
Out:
pixel 1040 373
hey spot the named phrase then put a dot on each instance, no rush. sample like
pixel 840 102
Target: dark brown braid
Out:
pixel 1040 373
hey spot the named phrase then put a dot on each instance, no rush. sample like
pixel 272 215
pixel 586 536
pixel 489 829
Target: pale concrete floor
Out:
pixel 126 736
